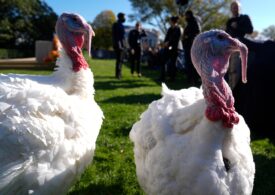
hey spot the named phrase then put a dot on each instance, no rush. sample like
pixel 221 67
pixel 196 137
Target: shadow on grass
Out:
pixel 265 175
pixel 133 99
pixel 179 83
pixel 123 131
pixel 99 189
pixel 97 77
pixel 114 84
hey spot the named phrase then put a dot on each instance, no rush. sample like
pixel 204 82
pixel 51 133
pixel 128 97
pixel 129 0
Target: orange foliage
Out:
pixel 54 53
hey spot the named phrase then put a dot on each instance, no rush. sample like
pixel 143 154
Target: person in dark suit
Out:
pixel 170 51
pixel 237 26
pixel 118 33
pixel 191 30
pixel 134 40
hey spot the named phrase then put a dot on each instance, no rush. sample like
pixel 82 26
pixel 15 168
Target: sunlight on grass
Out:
pixel 113 168
pixel 122 101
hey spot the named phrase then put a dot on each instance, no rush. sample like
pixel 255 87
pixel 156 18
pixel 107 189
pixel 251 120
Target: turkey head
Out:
pixel 74 32
pixel 210 54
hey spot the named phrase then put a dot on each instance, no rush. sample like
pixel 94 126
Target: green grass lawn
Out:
pixel 122 101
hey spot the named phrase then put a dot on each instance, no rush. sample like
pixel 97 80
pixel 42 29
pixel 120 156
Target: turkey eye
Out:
pixel 74 19
pixel 220 37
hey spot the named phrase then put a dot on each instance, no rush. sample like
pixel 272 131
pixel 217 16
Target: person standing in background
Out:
pixel 134 40
pixel 191 30
pixel 118 33
pixel 237 26
pixel 170 52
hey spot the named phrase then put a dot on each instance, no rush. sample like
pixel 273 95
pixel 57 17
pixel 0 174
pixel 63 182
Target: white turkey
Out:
pixel 49 124
pixel 192 141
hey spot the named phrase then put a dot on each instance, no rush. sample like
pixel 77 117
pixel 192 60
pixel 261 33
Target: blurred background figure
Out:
pixel 237 26
pixel 191 30
pixel 118 33
pixel 255 99
pixel 134 40
pixel 154 55
pixel 170 53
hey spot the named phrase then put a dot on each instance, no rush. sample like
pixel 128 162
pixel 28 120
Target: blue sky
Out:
pixel 261 13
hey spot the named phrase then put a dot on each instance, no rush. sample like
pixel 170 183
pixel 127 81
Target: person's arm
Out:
pixel 228 27
pixel 194 30
pixel 173 38
pixel 232 27
pixel 114 36
pixel 247 26
pixel 122 38
pixel 177 36
pixel 166 39
pixel 143 33
pixel 241 27
pixel 130 39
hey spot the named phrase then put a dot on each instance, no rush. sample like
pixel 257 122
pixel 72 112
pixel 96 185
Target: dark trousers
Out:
pixel 168 64
pixel 119 58
pixel 135 60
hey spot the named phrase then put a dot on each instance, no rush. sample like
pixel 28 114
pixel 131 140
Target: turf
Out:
pixel 122 101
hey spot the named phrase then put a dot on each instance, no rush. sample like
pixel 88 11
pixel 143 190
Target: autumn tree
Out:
pixel 154 12
pixel 102 26
pixel 24 22
pixel 212 13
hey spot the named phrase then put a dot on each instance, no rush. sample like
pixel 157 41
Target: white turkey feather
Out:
pixel 179 151
pixel 48 129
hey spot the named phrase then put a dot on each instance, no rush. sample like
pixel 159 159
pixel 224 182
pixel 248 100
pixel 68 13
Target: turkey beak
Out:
pixel 89 33
pixel 239 46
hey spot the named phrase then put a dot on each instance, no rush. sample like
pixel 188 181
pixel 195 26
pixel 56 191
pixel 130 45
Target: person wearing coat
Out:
pixel 134 40
pixel 191 30
pixel 170 52
pixel 118 37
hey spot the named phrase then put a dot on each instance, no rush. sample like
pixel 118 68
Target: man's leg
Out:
pixel 118 63
pixel 138 65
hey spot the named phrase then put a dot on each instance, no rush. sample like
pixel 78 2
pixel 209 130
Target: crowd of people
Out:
pixel 177 40
pixel 134 41
pixel 249 99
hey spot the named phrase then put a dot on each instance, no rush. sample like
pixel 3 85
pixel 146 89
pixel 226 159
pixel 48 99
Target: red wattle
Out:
pixel 77 58
pixel 221 110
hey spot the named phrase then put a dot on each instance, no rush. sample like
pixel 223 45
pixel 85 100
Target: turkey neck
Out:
pixel 76 55
pixel 73 82
pixel 218 96
pixel 217 93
